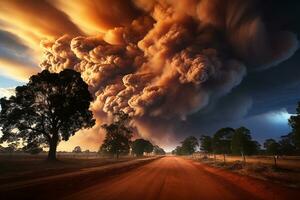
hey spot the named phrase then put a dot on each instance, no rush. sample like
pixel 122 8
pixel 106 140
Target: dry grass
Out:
pixel 287 162
pixel 286 173
pixel 18 167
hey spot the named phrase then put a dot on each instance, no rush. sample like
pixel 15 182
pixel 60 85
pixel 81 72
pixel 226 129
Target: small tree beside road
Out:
pixel 141 146
pixel 206 144
pixel 118 135
pixel 221 141
pixel 272 148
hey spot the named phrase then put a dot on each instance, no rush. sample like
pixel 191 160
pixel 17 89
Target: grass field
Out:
pixel 20 166
pixel 287 171
pixel 288 162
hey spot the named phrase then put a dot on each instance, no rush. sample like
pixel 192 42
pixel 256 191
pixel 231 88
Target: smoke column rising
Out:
pixel 171 59
pixel 158 60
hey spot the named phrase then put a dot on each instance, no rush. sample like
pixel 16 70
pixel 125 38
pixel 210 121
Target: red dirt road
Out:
pixel 174 178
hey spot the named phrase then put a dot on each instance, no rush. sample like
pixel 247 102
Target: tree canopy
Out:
pixel 118 135
pixel 139 146
pixel 50 108
pixel 221 140
pixel 287 146
pixel 158 150
pixel 272 147
pixel 77 149
pixel 242 143
pixel 294 122
pixel 188 146
pixel 206 144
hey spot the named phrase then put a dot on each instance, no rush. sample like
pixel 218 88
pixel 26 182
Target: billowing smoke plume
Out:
pixel 172 58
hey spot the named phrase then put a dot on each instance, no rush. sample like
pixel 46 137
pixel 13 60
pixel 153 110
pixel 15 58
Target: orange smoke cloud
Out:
pixel 38 19
pixel 157 60
pixel 98 16
pixel 17 70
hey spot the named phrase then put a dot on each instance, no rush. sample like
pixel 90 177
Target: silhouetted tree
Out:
pixel 178 151
pixel 294 122
pixel 158 151
pixel 118 134
pixel 139 146
pixel 50 108
pixel 32 148
pixel 189 145
pixel 149 147
pixel 77 149
pixel 272 148
pixel 206 144
pixel 254 148
pixel 241 142
pixel 287 146
pixel 221 141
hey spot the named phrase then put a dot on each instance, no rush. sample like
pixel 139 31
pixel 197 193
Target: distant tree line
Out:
pixel 230 141
pixel 239 142
pixel 188 146
pixel 118 139
pixel 13 148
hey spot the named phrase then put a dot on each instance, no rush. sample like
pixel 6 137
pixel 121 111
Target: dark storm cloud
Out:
pixel 13 49
pixel 260 96
pixel 8 40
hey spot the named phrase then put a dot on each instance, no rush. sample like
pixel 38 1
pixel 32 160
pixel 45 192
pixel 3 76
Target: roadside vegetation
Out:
pixel 233 142
pixel 235 150
pixel 118 139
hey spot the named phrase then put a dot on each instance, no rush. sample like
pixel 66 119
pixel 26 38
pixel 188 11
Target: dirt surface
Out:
pixel 167 178
pixel 22 168
pixel 56 186
pixel 182 179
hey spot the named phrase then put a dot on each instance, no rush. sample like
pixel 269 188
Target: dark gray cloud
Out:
pixel 261 102
pixel 264 98
pixel 12 48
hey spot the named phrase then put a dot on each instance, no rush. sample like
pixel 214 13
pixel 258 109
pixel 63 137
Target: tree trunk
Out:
pixel 224 156
pixel 275 161
pixel 243 156
pixel 52 150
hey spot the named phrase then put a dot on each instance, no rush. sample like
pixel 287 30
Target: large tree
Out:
pixel 221 141
pixel 272 148
pixel 241 142
pixel 189 145
pixel 294 122
pixel 139 146
pixel 178 151
pixel 50 108
pixel 158 150
pixel 118 135
pixel 287 146
pixel 206 144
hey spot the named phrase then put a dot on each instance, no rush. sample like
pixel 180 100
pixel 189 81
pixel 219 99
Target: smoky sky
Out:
pixel 178 68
